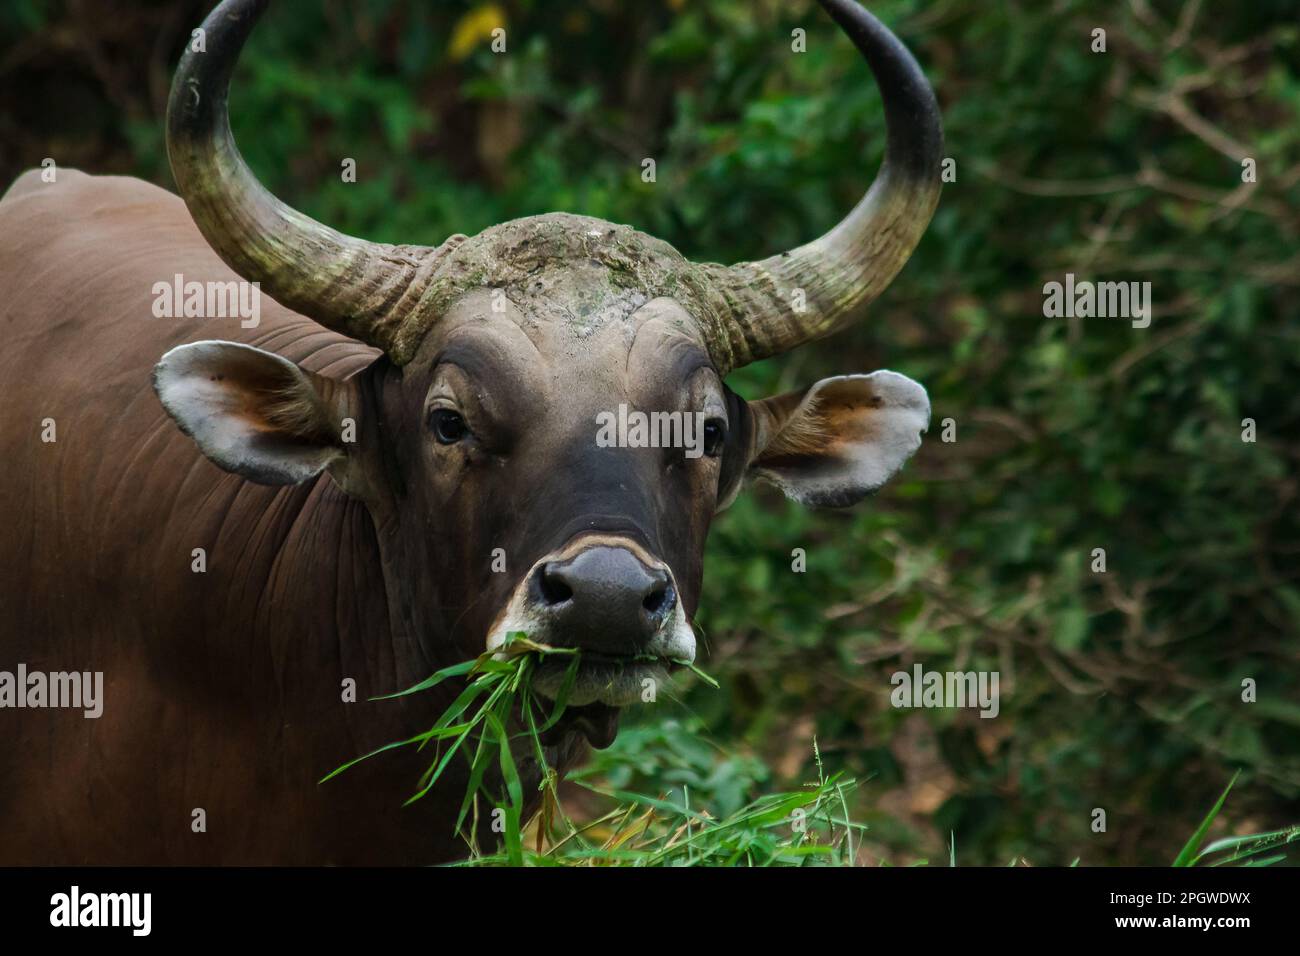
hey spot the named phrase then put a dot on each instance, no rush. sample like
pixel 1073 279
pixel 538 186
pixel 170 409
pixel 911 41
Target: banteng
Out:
pixel 345 469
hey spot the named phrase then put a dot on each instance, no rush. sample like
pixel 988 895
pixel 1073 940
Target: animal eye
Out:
pixel 448 426
pixel 715 433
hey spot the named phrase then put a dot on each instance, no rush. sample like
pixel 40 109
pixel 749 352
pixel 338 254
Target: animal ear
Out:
pixel 834 443
pixel 252 413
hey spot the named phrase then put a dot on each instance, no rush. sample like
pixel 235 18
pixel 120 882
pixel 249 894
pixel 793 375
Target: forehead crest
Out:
pixel 584 273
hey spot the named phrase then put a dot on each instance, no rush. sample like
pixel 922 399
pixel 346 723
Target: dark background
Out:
pixel 1119 690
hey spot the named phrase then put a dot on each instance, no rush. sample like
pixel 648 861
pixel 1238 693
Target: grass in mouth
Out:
pixel 478 724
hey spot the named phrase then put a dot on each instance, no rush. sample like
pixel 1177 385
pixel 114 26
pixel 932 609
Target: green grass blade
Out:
pixel 1187 856
pixel 456 670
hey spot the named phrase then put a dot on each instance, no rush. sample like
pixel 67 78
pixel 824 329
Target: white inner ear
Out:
pixel 849 435
pixel 235 400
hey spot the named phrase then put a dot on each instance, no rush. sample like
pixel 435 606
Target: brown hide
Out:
pixel 223 690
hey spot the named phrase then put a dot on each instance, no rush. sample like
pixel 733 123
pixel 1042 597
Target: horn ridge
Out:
pixel 843 270
pixel 348 285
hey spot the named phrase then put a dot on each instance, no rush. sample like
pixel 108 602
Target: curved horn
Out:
pixel 358 288
pixel 850 265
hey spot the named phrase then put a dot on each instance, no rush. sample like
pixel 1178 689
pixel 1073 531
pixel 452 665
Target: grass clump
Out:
pixel 795 828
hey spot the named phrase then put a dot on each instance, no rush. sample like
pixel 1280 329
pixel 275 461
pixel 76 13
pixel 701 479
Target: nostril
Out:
pixel 553 587
pixel 658 601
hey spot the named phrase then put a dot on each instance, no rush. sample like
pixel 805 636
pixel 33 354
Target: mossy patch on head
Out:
pixel 577 271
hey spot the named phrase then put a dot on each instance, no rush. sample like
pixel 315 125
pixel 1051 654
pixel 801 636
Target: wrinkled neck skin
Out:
pixel 429 614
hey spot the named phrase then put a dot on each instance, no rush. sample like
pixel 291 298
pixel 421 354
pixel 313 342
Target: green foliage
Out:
pixel 497 717
pixel 805 827
pixel 1120 690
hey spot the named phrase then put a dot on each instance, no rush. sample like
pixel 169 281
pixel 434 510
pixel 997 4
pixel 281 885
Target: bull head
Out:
pixel 477 425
